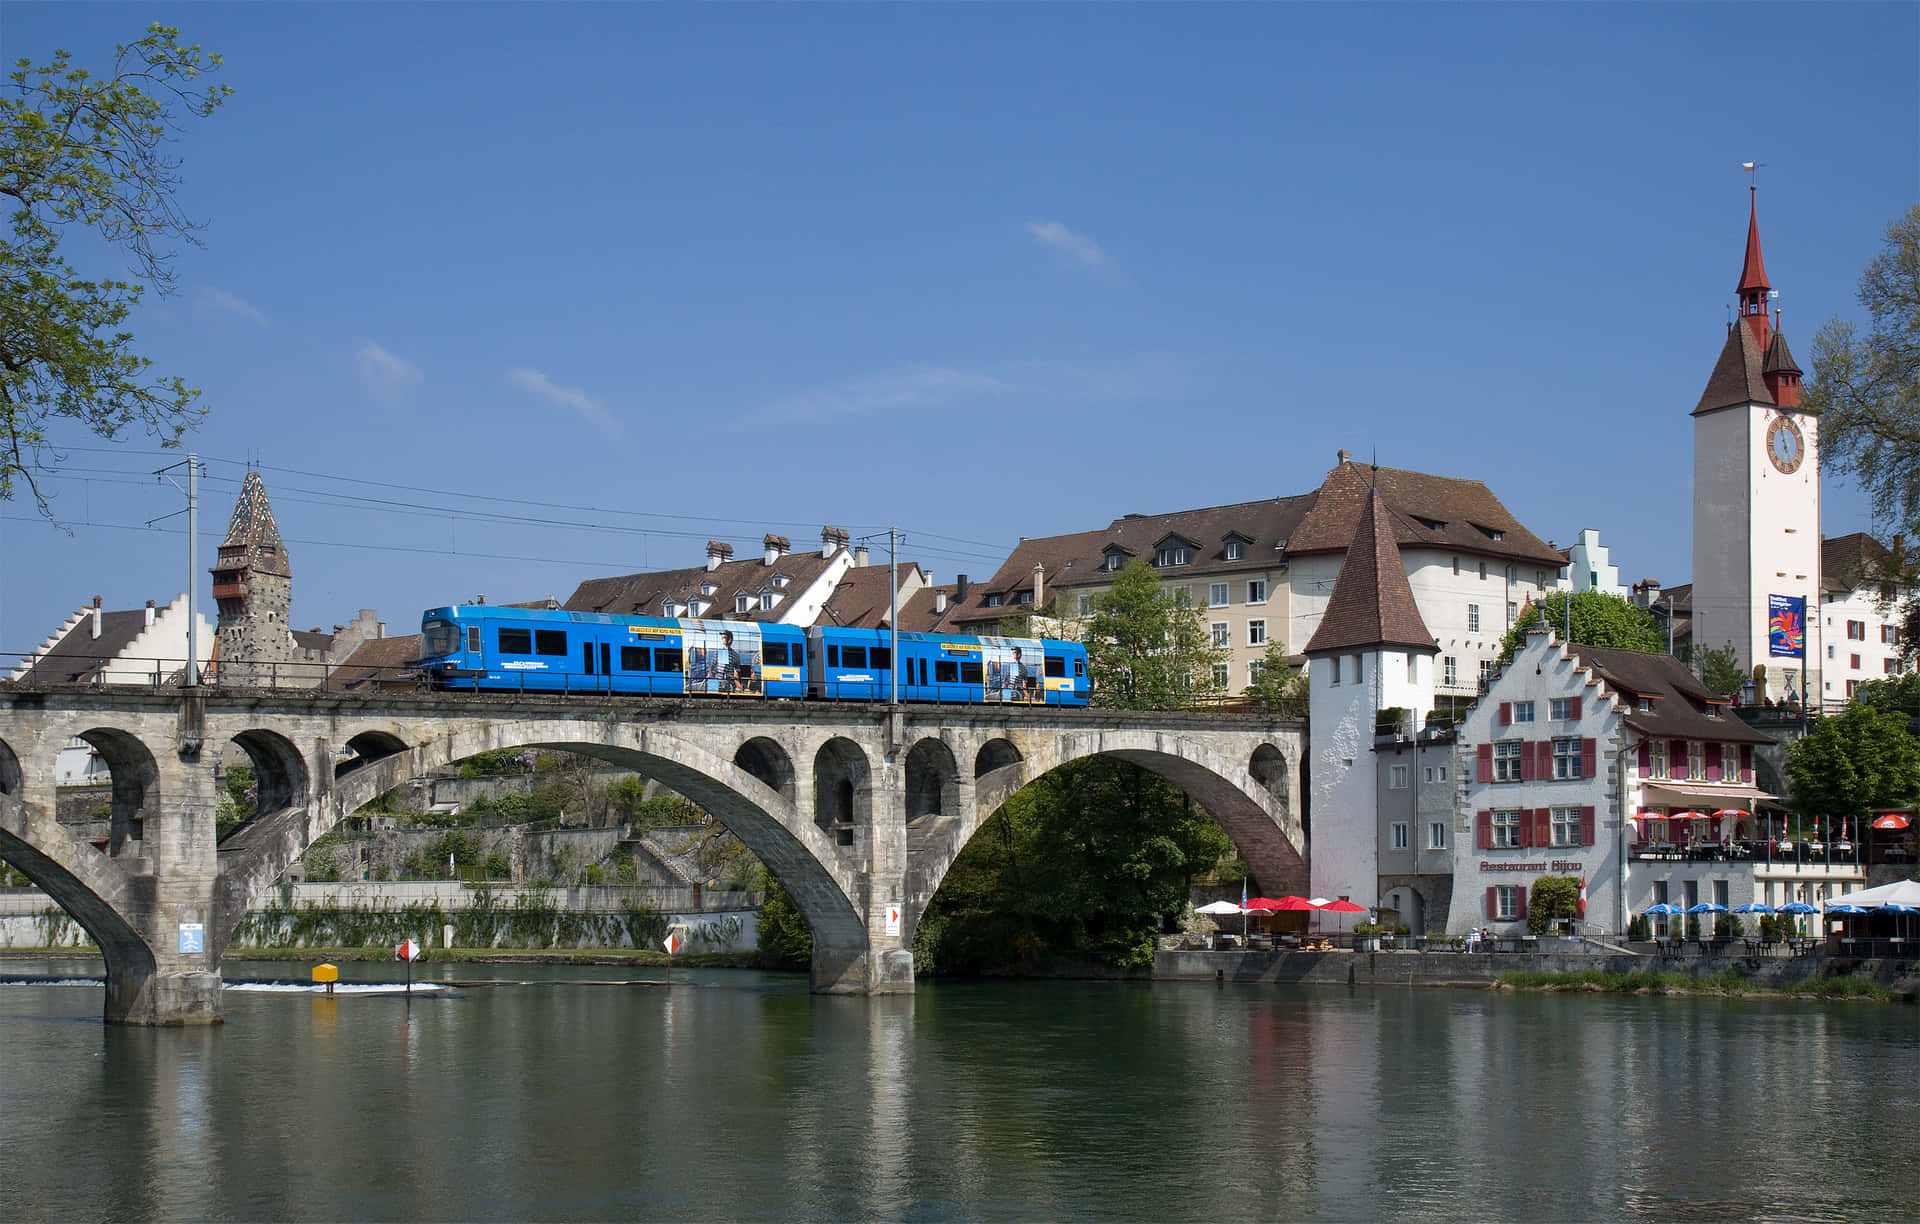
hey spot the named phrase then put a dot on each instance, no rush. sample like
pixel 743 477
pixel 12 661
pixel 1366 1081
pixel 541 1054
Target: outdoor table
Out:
pixel 1753 947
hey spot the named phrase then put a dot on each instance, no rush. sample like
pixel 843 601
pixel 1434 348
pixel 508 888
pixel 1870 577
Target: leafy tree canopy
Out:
pixel 1599 619
pixel 1145 649
pixel 1894 695
pixel 1854 762
pixel 1719 669
pixel 1278 686
pixel 89 153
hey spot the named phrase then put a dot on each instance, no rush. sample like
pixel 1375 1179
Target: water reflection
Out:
pixel 737 1096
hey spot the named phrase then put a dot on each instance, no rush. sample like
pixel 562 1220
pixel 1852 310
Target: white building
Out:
pixel 138 646
pixel 1588 567
pixel 1862 638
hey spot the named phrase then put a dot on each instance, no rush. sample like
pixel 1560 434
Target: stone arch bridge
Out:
pixel 858 810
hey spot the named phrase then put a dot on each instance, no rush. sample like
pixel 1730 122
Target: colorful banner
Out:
pixel 1787 626
pixel 722 656
pixel 1013 669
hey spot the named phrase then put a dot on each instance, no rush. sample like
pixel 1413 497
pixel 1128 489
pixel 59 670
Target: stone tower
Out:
pixel 1756 500
pixel 253 585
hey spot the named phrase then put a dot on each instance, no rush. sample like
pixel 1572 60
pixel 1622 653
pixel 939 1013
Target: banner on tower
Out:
pixel 1787 626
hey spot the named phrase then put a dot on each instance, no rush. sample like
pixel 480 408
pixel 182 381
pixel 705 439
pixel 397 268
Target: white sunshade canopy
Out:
pixel 1217 907
pixel 1903 892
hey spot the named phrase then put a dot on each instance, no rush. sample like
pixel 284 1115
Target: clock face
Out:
pixel 1784 445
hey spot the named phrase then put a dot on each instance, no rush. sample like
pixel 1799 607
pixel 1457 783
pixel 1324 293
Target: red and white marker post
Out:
pixel 408 951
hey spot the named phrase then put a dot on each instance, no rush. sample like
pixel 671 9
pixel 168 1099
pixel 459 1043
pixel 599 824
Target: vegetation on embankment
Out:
pixel 1728 981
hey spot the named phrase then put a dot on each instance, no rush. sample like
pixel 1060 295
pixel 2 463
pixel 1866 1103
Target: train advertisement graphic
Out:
pixel 1010 669
pixel 722 658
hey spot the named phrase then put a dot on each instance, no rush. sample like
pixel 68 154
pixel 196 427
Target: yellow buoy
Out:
pixel 326 973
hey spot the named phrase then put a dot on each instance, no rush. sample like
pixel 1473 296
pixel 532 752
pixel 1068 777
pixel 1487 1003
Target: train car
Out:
pixel 857 665
pixel 481 646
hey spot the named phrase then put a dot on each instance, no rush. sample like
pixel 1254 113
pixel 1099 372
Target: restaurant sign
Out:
pixel 1567 866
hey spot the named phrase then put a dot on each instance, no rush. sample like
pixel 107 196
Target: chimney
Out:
pixel 959 588
pixel 481 600
pixel 1039 586
pixel 717 553
pixel 1344 455
pixel 379 628
pixel 777 547
pixel 96 617
pixel 832 539
pixel 149 614
pixel 939 602
pixel 337 630
pixel 860 556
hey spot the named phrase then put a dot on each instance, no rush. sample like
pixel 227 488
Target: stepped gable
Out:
pixel 1372 604
pixel 79 657
pixel 1739 377
pixel 1441 512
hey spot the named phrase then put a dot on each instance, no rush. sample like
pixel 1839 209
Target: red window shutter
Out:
pixel 1646 758
pixel 1544 769
pixel 1484 771
pixel 1746 763
pixel 1713 762
pixel 1543 826
pixel 1586 826
pixel 1526 827
pixel 1526 761
pixel 1483 831
pixel 1493 902
pixel 1677 759
pixel 1520 901
pixel 1589 758
pixel 1576 708
pixel 1506 713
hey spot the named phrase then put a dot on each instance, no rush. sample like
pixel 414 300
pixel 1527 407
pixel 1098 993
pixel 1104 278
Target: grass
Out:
pixel 1727 981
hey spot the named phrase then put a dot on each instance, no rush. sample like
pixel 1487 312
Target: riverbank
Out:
pixel 1727 982
pixel 636 957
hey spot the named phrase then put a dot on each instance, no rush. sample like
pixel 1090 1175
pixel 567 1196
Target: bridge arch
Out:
pixel 279 771
pixel 933 779
pixel 995 754
pixel 9 770
pixel 842 790
pixel 1255 818
pixel 135 788
pixel 766 760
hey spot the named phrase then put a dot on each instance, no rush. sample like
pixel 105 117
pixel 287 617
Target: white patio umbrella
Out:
pixel 1217 907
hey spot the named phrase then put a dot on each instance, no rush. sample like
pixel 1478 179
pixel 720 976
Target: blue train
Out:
pixel 494 648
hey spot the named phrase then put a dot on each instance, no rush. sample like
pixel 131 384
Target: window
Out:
pixel 880 658
pixel 1449 671
pixel 1486 671
pixel 1506 760
pixel 1413 669
pixel 1730 762
pixel 1172 555
pixel 1112 562
pixel 972 673
pixel 1853 661
pixel 1443 773
pixel 1506 901
pixel 1086 605
pixel 1560 709
pixel 1853 689
pixel 666 659
pixel 1399 835
pixel 1333 670
pixel 1523 711
pixel 1437 835
pixel 853 656
pixel 778 654
pixel 766 601
pixel 1056 666
pixel 1222 635
pixel 1256 669
pixel 473 639
pixel 1456 567
pixel 742 602
pixel 1235 550
pixel 1657 759
pixel 1513 613
pixel 1483 571
pixel 1890 666
pixel 1856 631
pixel 994 601
pixel 1696 759
pixel 550 642
pixel 1566 758
pixel 1473 618
pixel 516 641
pixel 1397 778
pixel 1566 826
pixel 1830 649
pixel 1024 597
pixel 1256 590
pixel 1889 635
pixel 1217 594
pixel 636 658
pixel 946 671
pixel 1359 669
pixel 1256 633
pixel 1646 705
pixel 1220 675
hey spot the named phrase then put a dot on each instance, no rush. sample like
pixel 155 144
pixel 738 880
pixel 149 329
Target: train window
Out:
pixel 923 673
pixel 586 658
pixel 880 657
pixel 774 654
pixel 516 641
pixel 666 659
pixel 946 671
pixel 550 641
pixel 1080 668
pixel 1056 666
pixel 606 659
pixel 853 656
pixel 833 656
pixel 970 674
pixel 635 658
pixel 473 638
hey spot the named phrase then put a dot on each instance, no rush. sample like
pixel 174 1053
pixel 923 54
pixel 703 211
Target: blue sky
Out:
pixel 981 271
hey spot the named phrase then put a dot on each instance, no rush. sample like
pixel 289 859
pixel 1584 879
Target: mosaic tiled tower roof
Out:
pixel 253 586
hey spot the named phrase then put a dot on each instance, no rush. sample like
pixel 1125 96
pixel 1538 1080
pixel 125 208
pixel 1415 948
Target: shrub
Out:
pixel 1693 926
pixel 1769 928
pixel 1552 897
pixel 1639 930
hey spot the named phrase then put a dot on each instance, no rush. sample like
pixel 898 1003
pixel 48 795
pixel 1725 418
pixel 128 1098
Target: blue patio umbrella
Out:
pixel 1798 907
pixel 1846 908
pixel 1753 907
pixel 1894 907
pixel 1662 908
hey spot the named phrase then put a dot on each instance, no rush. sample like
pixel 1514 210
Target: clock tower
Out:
pixel 1756 500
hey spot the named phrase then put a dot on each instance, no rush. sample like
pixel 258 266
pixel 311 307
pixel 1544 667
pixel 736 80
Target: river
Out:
pixel 574 1093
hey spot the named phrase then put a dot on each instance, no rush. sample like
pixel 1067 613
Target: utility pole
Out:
pixel 893 615
pixel 193 465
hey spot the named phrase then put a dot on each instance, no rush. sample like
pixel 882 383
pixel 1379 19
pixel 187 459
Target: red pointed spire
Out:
pixel 1753 287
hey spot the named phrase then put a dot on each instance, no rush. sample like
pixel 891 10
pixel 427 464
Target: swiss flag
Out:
pixel 1581 909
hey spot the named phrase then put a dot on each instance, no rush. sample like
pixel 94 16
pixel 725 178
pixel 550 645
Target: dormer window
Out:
pixel 767 599
pixel 742 602
pixel 1235 550
pixel 1173 555
pixel 1112 562
pixel 1430 524
pixel 1025 597
pixel 994 601
pixel 1492 533
pixel 708 588
pixel 780 582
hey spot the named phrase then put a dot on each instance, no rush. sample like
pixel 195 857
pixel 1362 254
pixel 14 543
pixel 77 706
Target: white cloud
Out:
pixel 385 373
pixel 211 300
pixel 595 413
pixel 915 386
pixel 1060 238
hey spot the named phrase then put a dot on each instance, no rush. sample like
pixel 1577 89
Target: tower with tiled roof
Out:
pixel 1756 497
pixel 1370 679
pixel 253 586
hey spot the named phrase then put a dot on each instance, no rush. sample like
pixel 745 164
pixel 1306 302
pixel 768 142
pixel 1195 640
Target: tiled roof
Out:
pixel 1738 377
pixel 376 661
pixel 1847 562
pixel 1681 703
pixel 79 656
pixel 1753 270
pixel 860 600
pixel 1064 559
pixel 1778 358
pixel 1427 511
pixel 1371 604
pixel 644 594
pixel 917 614
pixel 252 525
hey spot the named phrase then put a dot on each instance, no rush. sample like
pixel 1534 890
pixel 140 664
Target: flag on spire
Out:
pixel 1746 165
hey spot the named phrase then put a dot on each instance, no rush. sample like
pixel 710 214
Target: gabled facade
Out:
pixel 1862 638
pixel 139 646
pixel 779 586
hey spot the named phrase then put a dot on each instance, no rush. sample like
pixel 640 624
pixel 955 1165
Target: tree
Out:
pixel 1599 619
pixel 1719 669
pixel 1551 897
pixel 1852 763
pixel 1896 695
pixel 1277 686
pixel 1145 649
pixel 87 152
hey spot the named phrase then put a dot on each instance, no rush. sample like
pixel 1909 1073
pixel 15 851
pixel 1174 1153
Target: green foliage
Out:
pixel 1769 928
pixel 1849 764
pixel 1639 930
pixel 1894 695
pixel 1145 650
pixel 1693 926
pixel 1719 669
pixel 785 939
pixel 625 795
pixel 1552 897
pixel 497 867
pixel 530 922
pixel 1599 619
pixel 86 152
pixel 1278 687
pixel 495 763
pixel 666 810
pixel 323 864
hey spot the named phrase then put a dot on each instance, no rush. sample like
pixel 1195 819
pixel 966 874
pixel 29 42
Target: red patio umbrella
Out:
pixel 1343 907
pixel 1892 820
